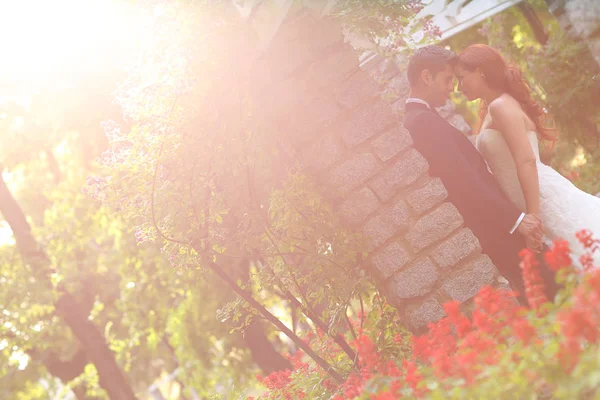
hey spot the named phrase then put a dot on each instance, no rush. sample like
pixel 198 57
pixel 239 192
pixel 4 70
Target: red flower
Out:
pixel 353 386
pixel 412 375
pixel 587 262
pixel 367 352
pixel 494 302
pixel 558 257
pixel 534 286
pixel 276 380
pixel 330 385
pixel 398 339
pixel 396 386
pixel 581 322
pixel 482 322
pixel 392 369
pixel 587 240
pixel 296 361
pixel 384 396
pixel 461 323
pixel 523 329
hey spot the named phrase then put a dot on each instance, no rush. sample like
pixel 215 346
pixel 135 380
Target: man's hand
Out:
pixel 533 244
pixel 531 228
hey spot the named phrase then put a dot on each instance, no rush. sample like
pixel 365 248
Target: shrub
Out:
pixel 499 350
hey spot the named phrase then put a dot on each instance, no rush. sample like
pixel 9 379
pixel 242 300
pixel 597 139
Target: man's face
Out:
pixel 440 86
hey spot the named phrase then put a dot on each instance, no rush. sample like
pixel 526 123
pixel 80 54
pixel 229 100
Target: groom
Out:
pixel 502 230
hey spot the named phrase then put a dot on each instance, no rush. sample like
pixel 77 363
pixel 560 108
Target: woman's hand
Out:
pixel 531 228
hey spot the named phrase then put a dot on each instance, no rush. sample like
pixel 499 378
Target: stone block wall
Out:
pixel 331 115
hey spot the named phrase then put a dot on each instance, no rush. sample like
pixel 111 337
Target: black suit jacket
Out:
pixel 470 185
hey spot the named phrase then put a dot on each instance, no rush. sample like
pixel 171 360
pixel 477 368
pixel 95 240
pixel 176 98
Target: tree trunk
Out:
pixel 92 341
pixel 536 25
pixel 111 377
pixel 263 352
pixel 64 370
pixel 68 370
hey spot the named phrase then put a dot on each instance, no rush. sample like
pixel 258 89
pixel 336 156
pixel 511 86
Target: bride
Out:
pixel 508 140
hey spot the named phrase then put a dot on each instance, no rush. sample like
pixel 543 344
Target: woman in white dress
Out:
pixel 508 140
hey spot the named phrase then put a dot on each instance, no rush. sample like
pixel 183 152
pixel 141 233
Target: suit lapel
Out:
pixel 466 147
pixel 418 108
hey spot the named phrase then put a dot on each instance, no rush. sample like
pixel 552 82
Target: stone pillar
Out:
pixel 331 114
pixel 581 20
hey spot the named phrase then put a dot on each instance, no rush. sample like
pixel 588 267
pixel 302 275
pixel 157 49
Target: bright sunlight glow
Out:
pixel 43 40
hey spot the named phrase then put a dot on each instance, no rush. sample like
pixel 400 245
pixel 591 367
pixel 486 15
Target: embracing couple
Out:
pixel 507 196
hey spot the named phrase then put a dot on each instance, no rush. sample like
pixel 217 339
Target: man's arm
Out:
pixel 432 138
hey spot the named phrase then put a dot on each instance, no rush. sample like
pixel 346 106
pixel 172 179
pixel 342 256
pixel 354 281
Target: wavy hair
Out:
pixel 508 78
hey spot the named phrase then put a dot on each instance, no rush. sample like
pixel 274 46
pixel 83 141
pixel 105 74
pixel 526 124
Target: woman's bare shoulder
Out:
pixel 504 105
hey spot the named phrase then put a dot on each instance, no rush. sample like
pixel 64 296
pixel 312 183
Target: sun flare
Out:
pixel 45 41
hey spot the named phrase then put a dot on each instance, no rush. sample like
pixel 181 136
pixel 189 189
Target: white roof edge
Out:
pixel 478 18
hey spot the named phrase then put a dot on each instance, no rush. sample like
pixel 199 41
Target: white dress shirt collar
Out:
pixel 417 100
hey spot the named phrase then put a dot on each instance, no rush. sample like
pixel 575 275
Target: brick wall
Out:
pixel 329 113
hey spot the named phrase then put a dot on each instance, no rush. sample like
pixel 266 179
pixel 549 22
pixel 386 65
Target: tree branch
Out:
pixel 273 319
pixel 92 341
pixel 309 312
pixel 26 243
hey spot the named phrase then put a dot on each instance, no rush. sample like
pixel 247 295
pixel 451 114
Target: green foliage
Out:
pixel 390 24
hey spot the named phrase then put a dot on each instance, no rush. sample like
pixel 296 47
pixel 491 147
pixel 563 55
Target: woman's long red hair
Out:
pixel 506 77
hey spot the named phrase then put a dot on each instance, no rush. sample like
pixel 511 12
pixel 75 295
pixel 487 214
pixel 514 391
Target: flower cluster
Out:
pixel 432 30
pixel 499 350
pixel 276 380
pixel 534 285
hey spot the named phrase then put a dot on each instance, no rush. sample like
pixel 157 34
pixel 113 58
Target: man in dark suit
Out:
pixel 501 228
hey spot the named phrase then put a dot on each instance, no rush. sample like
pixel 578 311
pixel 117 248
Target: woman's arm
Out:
pixel 507 118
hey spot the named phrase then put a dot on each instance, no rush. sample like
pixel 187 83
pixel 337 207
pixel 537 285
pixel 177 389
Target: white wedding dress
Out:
pixel 565 209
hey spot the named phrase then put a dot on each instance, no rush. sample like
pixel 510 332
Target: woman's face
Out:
pixel 470 83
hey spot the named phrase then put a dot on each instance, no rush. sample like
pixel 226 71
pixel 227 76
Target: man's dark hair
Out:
pixel 432 58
